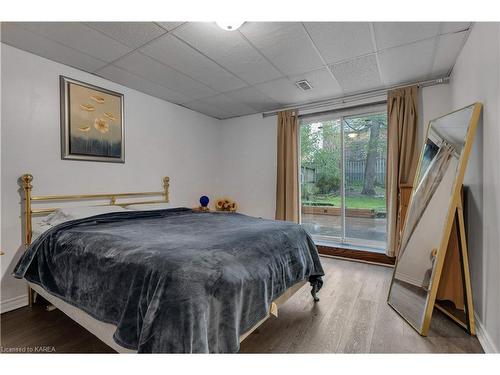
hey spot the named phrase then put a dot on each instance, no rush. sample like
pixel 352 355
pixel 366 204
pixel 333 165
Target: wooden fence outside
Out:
pixel 355 170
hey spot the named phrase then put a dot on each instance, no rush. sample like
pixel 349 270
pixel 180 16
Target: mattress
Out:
pixel 105 331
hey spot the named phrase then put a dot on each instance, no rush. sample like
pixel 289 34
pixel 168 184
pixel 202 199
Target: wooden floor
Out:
pixel 352 317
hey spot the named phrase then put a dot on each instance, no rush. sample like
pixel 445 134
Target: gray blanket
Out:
pixel 172 280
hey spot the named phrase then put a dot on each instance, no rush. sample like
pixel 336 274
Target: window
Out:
pixel 343 176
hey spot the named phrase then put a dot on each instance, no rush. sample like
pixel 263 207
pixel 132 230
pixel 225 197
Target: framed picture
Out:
pixel 91 122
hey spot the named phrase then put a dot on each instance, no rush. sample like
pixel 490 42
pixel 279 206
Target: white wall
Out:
pixel 434 101
pixel 161 139
pixel 476 78
pixel 248 169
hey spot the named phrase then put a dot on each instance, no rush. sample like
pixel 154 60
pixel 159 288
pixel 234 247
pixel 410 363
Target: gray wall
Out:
pixel 476 78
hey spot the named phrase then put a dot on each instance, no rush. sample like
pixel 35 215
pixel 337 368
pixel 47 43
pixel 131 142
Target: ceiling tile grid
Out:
pixel 230 106
pixel 322 82
pixel 16 36
pixel 80 37
pixel 118 75
pixel 448 48
pixel 209 109
pixel 154 71
pixel 232 73
pixel 173 52
pixel 286 44
pixel 131 34
pixel 229 49
pixel 281 90
pixel 338 41
pixel 393 34
pixel 169 26
pixel 254 98
pixel 409 63
pixel 453 27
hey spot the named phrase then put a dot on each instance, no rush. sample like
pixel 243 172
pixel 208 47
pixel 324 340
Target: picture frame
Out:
pixel 92 124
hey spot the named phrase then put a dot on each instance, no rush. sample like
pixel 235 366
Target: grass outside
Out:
pixel 358 201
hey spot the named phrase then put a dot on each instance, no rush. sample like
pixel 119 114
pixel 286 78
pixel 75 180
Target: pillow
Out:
pixel 70 213
pixel 73 213
pixel 38 228
pixel 148 207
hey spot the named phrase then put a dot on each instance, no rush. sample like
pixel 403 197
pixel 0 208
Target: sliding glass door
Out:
pixel 343 175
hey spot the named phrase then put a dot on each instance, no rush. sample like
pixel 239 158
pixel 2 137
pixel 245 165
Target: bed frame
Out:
pixel 26 182
pixel 103 331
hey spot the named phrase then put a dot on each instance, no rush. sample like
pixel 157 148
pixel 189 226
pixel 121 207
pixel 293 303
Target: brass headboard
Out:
pixel 27 184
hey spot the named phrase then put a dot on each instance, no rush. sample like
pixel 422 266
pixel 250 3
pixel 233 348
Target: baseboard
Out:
pixel 13 303
pixel 484 338
pixel 366 256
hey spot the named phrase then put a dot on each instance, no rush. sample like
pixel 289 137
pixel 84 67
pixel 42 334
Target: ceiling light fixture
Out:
pixel 230 26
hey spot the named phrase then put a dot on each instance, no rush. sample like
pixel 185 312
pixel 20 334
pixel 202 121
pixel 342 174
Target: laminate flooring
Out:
pixel 351 317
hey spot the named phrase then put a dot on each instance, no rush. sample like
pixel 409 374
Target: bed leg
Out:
pixel 314 290
pixel 30 297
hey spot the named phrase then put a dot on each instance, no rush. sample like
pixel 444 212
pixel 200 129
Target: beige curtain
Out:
pixel 402 153
pixel 287 184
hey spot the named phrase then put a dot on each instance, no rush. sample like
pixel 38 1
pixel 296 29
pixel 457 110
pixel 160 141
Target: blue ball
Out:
pixel 204 201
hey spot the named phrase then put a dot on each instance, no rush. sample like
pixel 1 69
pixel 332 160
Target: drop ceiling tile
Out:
pixel 391 34
pixel 338 41
pixel 286 44
pixel 453 27
pixel 229 49
pixel 169 25
pixel 357 74
pixel 282 90
pixel 26 40
pixel 173 52
pixel 127 79
pixel 448 48
pixel 255 99
pixel 407 63
pixel 154 71
pixel 132 34
pixel 285 91
pixel 80 37
pixel 322 82
pixel 230 106
pixel 207 109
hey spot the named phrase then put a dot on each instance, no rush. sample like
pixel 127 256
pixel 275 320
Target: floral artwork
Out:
pixel 92 123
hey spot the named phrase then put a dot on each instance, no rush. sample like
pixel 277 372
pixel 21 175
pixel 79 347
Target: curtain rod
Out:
pixel 350 107
pixel 359 96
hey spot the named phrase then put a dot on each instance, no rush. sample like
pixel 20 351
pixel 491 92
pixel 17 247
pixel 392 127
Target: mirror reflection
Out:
pixel 427 214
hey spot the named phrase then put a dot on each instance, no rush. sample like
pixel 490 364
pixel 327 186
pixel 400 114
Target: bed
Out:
pixel 170 280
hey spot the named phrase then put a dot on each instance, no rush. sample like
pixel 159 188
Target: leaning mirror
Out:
pixel 434 208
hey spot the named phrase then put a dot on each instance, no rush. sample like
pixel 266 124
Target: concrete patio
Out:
pixel 370 229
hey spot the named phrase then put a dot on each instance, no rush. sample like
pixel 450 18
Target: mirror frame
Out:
pixel 455 203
